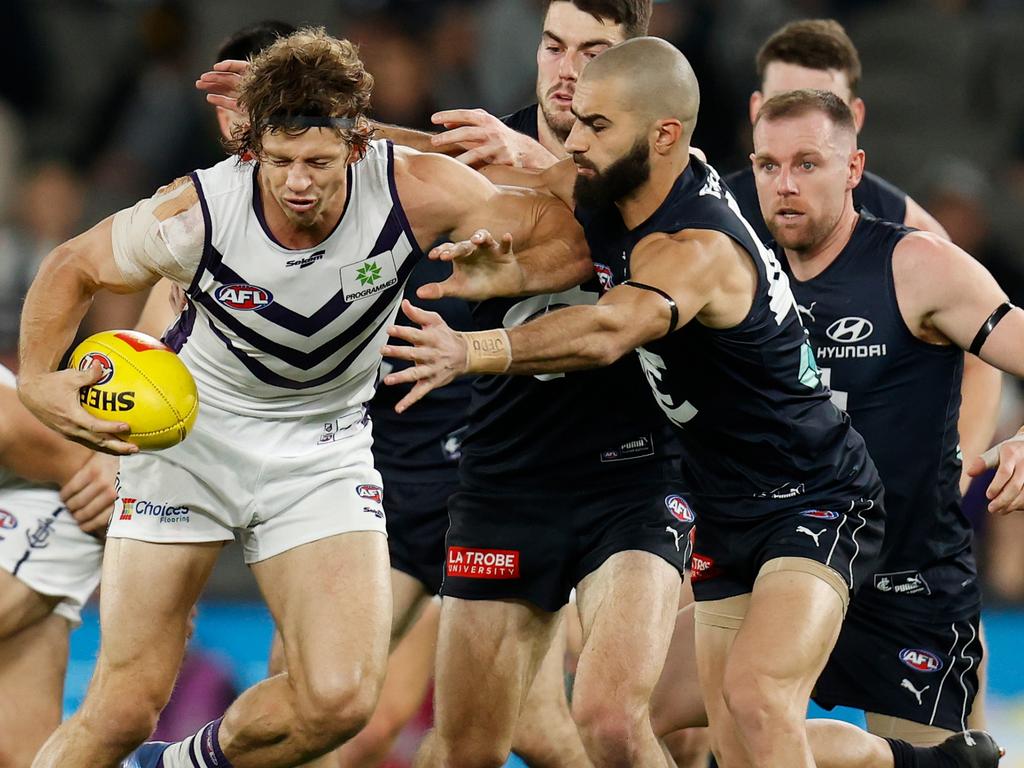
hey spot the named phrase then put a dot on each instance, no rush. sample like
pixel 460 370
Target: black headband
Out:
pixel 285 120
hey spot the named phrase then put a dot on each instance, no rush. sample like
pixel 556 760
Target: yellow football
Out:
pixel 144 384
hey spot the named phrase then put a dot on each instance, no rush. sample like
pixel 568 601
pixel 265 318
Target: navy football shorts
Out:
pixel 511 543
pixel 417 519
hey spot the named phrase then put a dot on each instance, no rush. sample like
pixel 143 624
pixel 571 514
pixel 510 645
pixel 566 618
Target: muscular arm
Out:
pixel 444 199
pixel 32 451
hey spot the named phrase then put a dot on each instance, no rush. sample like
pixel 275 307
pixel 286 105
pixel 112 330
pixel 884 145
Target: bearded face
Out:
pixel 597 188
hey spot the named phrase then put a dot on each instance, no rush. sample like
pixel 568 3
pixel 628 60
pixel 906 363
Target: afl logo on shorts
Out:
pixel 244 297
pixel 922 661
pixel 820 514
pixel 679 508
pixel 7 520
pixel 108 367
pixel 371 492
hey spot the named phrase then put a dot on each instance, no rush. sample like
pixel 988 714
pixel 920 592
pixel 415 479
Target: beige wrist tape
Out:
pixel 487 351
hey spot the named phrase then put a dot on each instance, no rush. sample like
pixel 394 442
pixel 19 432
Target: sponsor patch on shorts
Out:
pixel 702 568
pixel 473 563
pixel 636 448
pixel 902 583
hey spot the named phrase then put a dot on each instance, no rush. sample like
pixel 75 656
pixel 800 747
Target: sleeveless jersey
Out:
pixel 757 430
pixel 424 443
pixel 289 333
pixel 874 194
pixel 554 431
pixel 903 396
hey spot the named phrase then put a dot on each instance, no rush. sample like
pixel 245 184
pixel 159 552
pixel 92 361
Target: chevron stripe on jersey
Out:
pixel 284 332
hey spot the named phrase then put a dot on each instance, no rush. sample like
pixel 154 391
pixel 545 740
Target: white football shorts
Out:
pixel 277 483
pixel 42 546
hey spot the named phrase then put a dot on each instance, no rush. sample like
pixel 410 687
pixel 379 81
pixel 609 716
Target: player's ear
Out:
pixel 669 132
pixel 859 110
pixel 856 168
pixel 756 100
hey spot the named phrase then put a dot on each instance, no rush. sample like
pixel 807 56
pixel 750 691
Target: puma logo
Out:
pixel 676 535
pixel 812 534
pixel 809 311
pixel 910 687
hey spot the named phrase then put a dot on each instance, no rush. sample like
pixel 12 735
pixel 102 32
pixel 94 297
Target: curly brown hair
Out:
pixel 306 74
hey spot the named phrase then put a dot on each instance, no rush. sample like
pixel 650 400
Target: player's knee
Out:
pixel 474 753
pixel 609 727
pixel 334 708
pixel 759 702
pixel 123 723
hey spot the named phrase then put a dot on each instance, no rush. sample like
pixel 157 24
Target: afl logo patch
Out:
pixel 105 363
pixel 922 661
pixel 370 492
pixel 243 297
pixel 679 508
pixel 820 514
pixel 7 520
pixel 849 330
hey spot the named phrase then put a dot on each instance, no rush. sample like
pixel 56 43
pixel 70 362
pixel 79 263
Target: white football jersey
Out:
pixel 284 333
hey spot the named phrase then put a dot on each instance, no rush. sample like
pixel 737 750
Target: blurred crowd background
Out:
pixel 97 109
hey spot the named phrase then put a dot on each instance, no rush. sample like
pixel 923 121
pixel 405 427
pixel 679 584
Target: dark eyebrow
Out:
pixel 584 44
pixel 588 119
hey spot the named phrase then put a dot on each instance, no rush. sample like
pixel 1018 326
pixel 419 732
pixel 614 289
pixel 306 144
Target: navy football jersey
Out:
pixel 903 396
pixel 874 195
pixel 424 443
pixel 757 429
pixel 538 431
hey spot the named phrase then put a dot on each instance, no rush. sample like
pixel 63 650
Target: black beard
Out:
pixel 618 181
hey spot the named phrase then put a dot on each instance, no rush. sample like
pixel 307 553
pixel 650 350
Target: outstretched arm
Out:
pixel 689 270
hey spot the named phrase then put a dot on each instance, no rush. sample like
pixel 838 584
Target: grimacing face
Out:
pixel 611 155
pixel 802 168
pixel 305 175
pixel 571 38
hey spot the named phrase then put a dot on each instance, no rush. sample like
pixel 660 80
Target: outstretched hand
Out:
pixel 53 398
pixel 438 354
pixel 482 268
pixel 482 139
pixel 221 83
pixel 1006 491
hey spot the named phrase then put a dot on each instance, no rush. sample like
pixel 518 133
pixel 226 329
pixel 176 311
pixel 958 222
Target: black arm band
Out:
pixel 988 325
pixel 671 303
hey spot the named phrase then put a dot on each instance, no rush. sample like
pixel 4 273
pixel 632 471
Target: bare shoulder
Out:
pixel 689 249
pixel 925 253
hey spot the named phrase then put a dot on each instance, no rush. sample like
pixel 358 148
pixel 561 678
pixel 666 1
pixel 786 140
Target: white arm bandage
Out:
pixel 160 236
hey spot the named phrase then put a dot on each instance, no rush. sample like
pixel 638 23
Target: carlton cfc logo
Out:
pixel 922 661
pixel 679 508
pixel 105 364
pixel 244 297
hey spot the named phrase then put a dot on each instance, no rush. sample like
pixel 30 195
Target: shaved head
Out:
pixel 655 79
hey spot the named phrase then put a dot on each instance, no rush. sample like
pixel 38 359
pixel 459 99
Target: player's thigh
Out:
pixel 676 702
pixel 716 625
pixel 627 608
pixel 409 598
pixel 148 593
pixel 32 666
pixel 331 600
pixel 795 614
pixel 488 654
pixel 20 605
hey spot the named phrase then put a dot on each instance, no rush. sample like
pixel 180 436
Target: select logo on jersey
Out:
pixel 305 261
pixel 472 563
pixel 922 661
pixel 821 514
pixel 604 276
pixel 680 510
pixel 369 276
pixel 702 568
pixel 106 365
pixel 106 401
pixel 372 492
pixel 7 520
pixel 243 297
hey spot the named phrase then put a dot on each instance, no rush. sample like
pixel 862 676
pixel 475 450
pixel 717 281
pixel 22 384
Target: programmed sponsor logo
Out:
pixel 472 563
pixel 821 514
pixel 369 276
pixel 7 520
pixel 922 661
pixel 243 297
pixel 680 510
pixel 105 363
pixel 371 492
